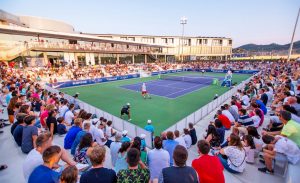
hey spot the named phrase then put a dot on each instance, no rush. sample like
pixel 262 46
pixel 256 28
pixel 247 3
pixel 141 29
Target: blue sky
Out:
pixel 245 21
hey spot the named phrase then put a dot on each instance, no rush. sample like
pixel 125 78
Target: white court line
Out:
pixel 184 90
pixel 151 94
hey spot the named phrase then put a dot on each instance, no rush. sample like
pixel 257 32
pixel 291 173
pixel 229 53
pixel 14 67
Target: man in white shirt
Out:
pixel 63 109
pixel 245 99
pixel 227 114
pixel 179 139
pixel 187 138
pixel 69 116
pixel 97 133
pixel 278 146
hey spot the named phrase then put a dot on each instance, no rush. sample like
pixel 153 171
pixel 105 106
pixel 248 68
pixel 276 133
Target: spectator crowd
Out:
pixel 238 134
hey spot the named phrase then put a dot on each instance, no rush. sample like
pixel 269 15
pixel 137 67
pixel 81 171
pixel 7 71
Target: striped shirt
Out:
pixel 245 120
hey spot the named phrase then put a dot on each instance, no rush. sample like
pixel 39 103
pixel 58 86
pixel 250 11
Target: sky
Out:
pixel 245 21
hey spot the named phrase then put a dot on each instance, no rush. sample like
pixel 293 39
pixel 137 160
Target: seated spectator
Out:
pixel 69 115
pixel 260 104
pixel 193 133
pixel 255 107
pixel 34 158
pixel 98 173
pixel 109 131
pixel 51 122
pixel 249 147
pixel 30 133
pixel 16 123
pixel 245 99
pixel 180 172
pixel 114 149
pixel 256 118
pixel 44 115
pixel 212 136
pixel 44 172
pixel 80 134
pixel 121 159
pixel 233 111
pixel 187 138
pixel 278 146
pixel 227 114
pixel 71 135
pixel 61 127
pixel 208 168
pixel 158 159
pixel 169 145
pixel 64 108
pixel 233 156
pixel 69 175
pixel 18 132
pixel 243 122
pixel 133 173
pixel 220 130
pixel 263 96
pixel 256 138
pixel 85 144
pixel 224 120
pixel 179 138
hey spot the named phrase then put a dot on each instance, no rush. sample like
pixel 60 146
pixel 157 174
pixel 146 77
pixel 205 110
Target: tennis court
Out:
pixel 165 108
pixel 173 86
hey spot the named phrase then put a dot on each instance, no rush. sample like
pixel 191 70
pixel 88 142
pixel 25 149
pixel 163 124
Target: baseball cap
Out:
pixel 128 103
pixel 142 136
pixel 125 132
pixel 149 121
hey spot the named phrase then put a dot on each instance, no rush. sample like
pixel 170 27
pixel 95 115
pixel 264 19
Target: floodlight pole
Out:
pixel 292 41
pixel 183 21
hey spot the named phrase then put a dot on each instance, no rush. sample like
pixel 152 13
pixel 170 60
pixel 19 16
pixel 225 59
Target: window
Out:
pixel 199 42
pixel 204 41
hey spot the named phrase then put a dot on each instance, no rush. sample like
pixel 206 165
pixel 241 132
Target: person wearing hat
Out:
pixel 124 137
pixel 149 127
pixel 126 110
pixel 114 148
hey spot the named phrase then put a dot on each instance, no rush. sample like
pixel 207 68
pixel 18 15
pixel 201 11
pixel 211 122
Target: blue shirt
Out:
pixel 169 145
pixel 262 106
pixel 8 97
pixel 77 141
pixel 18 132
pixel 125 139
pixel 61 129
pixel 149 128
pixel 43 174
pixel 70 137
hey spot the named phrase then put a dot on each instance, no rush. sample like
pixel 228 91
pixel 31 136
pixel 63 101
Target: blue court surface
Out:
pixel 174 87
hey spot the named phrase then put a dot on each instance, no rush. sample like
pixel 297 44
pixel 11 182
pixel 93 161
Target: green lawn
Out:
pixel 162 111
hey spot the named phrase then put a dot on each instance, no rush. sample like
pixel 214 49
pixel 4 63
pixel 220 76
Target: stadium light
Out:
pixel 183 21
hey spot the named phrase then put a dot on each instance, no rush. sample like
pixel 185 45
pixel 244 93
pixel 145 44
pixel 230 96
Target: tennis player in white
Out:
pixel 145 93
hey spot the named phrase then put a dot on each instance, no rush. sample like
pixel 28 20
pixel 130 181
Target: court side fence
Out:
pixel 198 115
pixel 118 123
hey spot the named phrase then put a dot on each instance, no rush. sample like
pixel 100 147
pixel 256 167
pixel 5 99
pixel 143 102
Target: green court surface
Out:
pixel 163 112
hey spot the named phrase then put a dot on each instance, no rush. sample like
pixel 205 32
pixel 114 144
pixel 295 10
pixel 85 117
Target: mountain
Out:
pixel 266 48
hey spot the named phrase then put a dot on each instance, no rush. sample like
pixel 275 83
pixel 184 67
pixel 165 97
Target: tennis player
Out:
pixel 203 71
pixel 145 92
pixel 126 110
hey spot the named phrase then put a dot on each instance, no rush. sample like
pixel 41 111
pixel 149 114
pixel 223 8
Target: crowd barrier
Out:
pixel 198 115
pixel 118 123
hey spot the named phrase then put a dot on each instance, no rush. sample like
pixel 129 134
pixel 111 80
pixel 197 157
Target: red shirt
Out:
pixel 239 105
pixel 209 169
pixel 225 121
pixel 43 117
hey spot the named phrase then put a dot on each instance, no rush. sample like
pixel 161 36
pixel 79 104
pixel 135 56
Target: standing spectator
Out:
pixel 134 173
pixel 114 148
pixel 169 145
pixel 71 135
pixel 125 138
pixel 44 173
pixel 98 173
pixel 158 159
pixel 137 144
pixel 180 172
pixel 208 168
pixel 187 138
pixel 149 127
pixel 30 133
pixel 235 153
pixel 193 133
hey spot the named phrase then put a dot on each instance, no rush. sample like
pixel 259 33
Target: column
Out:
pixel 118 59
pixel 165 58
pixel 45 59
pixel 145 58
pixel 133 59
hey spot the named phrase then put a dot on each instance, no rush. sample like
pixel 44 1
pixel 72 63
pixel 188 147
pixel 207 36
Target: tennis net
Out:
pixel 199 80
